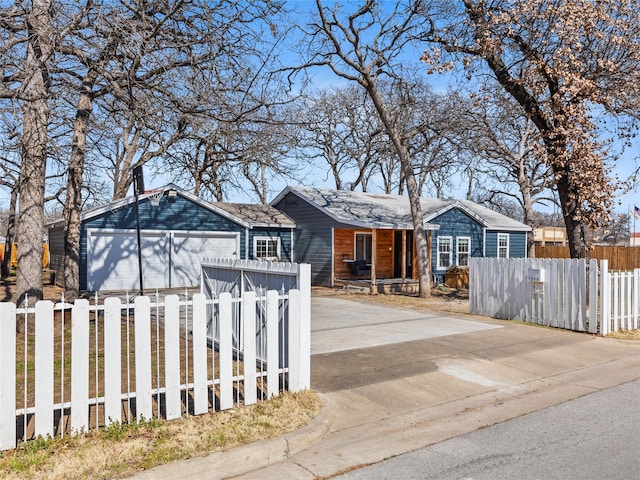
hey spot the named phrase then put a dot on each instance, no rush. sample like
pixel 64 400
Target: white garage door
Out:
pixel 112 260
pixel 189 249
pixel 169 259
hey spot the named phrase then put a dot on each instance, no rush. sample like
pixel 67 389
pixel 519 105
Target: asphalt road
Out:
pixel 592 437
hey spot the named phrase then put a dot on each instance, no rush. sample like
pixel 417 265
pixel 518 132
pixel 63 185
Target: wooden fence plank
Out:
pixel 80 366
pixel 7 376
pixel 636 298
pixel 142 329
pixel 44 361
pixel 249 340
pixel 199 345
pixel 618 257
pixel 172 357
pixel 294 341
pixel 226 352
pixel 593 296
pixel 272 344
pixel 112 360
pixel 605 298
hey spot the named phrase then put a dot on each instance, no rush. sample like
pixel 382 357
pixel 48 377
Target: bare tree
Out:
pixel 339 126
pixel 508 157
pixel 26 44
pixel 146 64
pixel 362 46
pixel 562 62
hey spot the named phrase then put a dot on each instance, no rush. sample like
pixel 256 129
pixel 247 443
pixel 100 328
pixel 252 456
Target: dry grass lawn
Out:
pixel 120 451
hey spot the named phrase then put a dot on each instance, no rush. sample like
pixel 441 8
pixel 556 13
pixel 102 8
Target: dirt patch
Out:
pixel 442 298
pixel 49 291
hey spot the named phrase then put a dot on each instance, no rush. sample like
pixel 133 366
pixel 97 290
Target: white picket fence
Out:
pixel 82 366
pixel 562 293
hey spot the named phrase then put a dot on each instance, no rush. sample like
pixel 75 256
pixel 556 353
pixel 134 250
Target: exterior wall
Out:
pixel 384 254
pixel 455 223
pixel 284 234
pixel 517 244
pixel 344 247
pixel 176 213
pixel 313 237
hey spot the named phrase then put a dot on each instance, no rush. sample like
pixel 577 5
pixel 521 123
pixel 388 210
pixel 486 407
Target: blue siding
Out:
pixel 455 223
pixel 517 244
pixel 284 234
pixel 313 238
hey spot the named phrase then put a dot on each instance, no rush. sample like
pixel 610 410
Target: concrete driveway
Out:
pixel 338 324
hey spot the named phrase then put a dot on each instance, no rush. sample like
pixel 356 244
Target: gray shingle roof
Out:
pixel 257 215
pixel 372 210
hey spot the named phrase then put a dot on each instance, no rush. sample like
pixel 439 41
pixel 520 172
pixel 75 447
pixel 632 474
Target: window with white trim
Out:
pixel 363 242
pixel 444 253
pixel 503 245
pixel 266 247
pixel 463 247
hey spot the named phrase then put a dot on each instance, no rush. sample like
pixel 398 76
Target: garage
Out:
pixel 178 230
pixel 169 259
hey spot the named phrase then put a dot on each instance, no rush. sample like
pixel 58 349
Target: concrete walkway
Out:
pixel 385 397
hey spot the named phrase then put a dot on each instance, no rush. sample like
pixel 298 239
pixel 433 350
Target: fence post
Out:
pixel 605 298
pixel 80 366
pixel 295 357
pixel 304 286
pixel 7 376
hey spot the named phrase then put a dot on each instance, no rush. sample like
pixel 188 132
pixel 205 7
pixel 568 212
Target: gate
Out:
pixel 237 277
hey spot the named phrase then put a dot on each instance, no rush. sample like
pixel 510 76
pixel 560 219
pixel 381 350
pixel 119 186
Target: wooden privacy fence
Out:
pixel 568 294
pixel 71 368
pixel 619 257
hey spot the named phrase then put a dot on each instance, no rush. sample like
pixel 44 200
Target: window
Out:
pixel 363 246
pixel 463 246
pixel 444 253
pixel 503 245
pixel 267 248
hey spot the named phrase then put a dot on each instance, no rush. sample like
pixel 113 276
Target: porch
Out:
pixel 377 260
pixel 386 285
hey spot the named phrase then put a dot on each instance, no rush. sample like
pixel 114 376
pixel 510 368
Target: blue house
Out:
pixel 467 229
pixel 178 231
pixel 336 229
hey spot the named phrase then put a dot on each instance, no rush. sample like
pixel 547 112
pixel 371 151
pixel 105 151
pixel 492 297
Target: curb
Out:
pixel 247 458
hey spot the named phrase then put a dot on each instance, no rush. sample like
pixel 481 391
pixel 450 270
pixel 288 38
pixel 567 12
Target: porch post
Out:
pixel 374 248
pixel 429 252
pixel 403 248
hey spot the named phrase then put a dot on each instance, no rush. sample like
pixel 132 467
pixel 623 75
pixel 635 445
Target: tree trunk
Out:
pixel 10 234
pixel 73 202
pixel 424 278
pixel 34 154
pixel 578 247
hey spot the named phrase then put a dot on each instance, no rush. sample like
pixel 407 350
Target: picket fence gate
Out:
pixel 563 293
pixel 83 366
